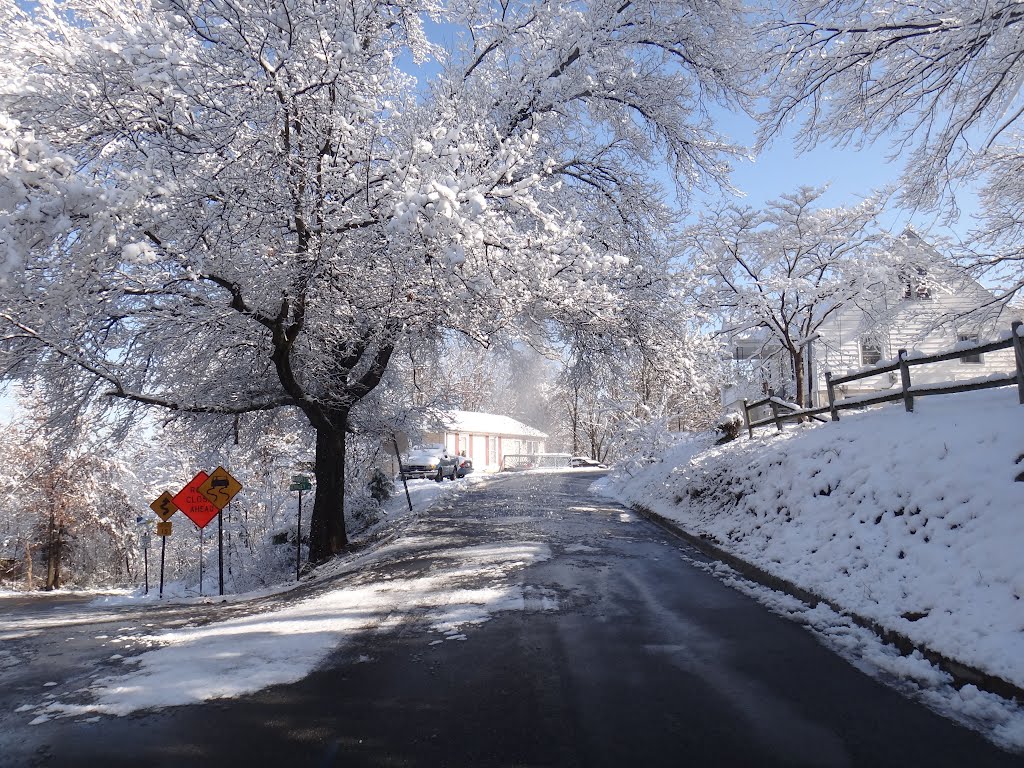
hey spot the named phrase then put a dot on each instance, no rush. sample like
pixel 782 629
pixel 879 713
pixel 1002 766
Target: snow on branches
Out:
pixel 941 80
pixel 778 274
pixel 226 207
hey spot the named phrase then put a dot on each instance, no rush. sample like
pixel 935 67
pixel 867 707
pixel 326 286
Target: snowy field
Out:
pixel 912 520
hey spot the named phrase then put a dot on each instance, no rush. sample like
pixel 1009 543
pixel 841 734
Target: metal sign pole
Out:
pixel 145 561
pixel 220 550
pixel 163 549
pixel 401 473
pixel 298 538
pixel 200 561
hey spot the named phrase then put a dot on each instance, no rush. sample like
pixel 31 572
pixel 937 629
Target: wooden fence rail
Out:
pixel 907 392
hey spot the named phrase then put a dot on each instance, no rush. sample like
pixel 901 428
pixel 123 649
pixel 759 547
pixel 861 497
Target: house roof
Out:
pixel 486 423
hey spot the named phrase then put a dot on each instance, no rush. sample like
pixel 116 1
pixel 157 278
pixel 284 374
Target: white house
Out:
pixel 486 438
pixel 933 307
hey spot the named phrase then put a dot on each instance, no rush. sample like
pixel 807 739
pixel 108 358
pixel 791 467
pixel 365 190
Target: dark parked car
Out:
pixel 464 467
pixel 431 463
pixel 586 461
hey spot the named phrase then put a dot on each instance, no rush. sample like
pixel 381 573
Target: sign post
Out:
pixel 164 506
pixel 201 561
pixel 298 538
pixel 196 507
pixel 163 530
pixel 145 557
pixel 300 483
pixel 219 488
pixel 401 470
pixel 163 551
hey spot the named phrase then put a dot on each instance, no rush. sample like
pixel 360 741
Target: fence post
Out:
pixel 908 399
pixel 775 409
pixel 746 420
pixel 1018 348
pixel 831 396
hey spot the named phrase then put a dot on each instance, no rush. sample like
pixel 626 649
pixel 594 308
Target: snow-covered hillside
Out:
pixel 911 520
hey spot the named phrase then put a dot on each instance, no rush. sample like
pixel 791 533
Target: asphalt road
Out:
pixel 647 661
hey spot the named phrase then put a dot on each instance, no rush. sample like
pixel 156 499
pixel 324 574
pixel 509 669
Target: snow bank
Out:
pixel 910 519
pixel 226 659
pixel 422 493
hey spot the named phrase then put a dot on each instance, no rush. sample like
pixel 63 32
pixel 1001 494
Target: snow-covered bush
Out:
pixel 728 426
pixel 380 486
pixel 364 514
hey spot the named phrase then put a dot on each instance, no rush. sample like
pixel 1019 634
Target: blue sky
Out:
pixel 851 174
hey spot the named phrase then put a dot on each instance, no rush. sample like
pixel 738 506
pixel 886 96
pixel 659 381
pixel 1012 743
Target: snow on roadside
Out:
pixel 911 519
pixel 998 719
pixel 242 655
pixel 65 591
pixel 423 494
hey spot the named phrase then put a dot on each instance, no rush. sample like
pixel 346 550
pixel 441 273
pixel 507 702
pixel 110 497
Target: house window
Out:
pixel 972 358
pixel 746 353
pixel 870 350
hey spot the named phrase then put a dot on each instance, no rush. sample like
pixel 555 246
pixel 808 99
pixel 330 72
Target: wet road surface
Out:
pixel 625 654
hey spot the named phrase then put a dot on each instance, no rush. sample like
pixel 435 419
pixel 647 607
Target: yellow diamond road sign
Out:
pixel 220 487
pixel 164 506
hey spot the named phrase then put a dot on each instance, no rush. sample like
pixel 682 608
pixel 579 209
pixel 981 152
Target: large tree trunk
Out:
pixel 327 535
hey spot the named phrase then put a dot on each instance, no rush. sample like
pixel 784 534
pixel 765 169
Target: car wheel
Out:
pixel 440 475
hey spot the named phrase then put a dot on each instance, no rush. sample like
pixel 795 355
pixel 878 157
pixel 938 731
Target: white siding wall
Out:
pixel 476 446
pixel 909 324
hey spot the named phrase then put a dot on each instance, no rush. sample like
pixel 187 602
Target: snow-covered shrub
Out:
pixel 644 439
pixel 381 486
pixel 728 426
pixel 362 514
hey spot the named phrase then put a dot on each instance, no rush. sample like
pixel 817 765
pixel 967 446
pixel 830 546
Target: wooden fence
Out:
pixel 783 411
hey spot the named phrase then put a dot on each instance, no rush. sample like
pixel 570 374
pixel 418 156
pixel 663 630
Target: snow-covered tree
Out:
pixel 941 80
pixel 67 509
pixel 613 400
pixel 224 208
pixel 777 274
